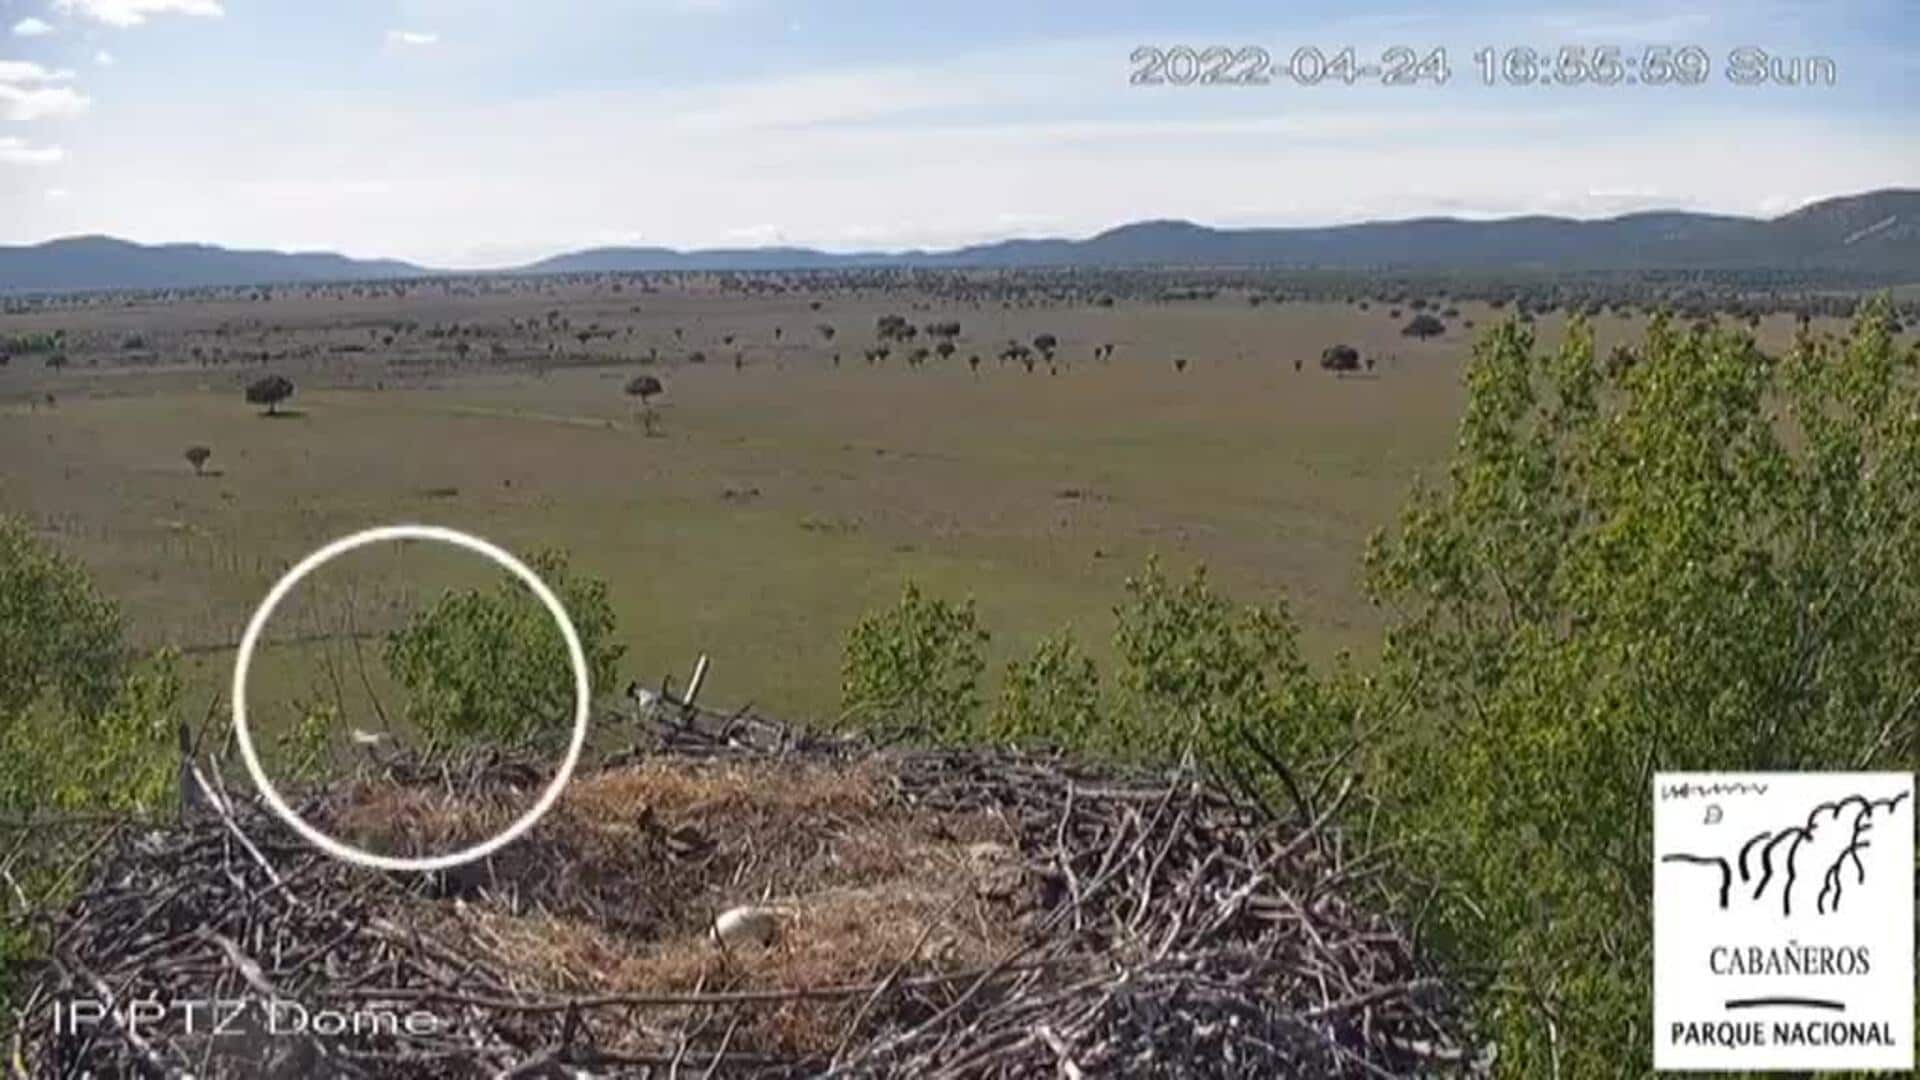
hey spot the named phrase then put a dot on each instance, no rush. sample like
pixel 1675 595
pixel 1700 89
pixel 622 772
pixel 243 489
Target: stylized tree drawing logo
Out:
pixel 1828 845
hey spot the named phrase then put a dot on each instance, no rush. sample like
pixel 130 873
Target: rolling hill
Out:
pixel 102 262
pixel 1875 234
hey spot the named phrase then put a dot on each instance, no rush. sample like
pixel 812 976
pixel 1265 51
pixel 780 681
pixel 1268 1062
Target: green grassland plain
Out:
pixel 779 499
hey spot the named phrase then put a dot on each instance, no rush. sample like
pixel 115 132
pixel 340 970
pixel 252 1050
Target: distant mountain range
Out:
pixel 1876 234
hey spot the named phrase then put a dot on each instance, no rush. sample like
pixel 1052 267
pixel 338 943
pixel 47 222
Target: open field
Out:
pixel 782 496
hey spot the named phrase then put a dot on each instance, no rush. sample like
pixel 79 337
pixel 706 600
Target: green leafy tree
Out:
pixel 83 728
pixel 1051 698
pixel 270 391
pixel 913 670
pixel 1209 676
pixel 58 637
pixel 304 745
pixel 1706 559
pixel 120 759
pixel 1424 326
pixel 481 665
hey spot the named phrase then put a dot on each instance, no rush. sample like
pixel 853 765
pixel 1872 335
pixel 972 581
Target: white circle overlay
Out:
pixel 244 660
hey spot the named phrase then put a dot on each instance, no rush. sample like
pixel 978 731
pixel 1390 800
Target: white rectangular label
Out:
pixel 1783 921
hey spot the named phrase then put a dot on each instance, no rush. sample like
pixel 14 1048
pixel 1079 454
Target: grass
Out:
pixel 781 501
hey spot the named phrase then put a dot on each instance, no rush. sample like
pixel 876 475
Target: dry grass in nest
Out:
pixel 866 885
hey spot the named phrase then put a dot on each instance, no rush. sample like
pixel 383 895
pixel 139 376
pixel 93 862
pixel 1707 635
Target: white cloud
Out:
pixel 27 91
pixel 26 72
pixel 104 58
pixel 58 194
pixel 32 27
pixel 414 38
pixel 135 12
pixel 15 151
pixel 22 103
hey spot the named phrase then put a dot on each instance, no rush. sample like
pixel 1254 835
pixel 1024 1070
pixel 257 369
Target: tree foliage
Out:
pixel 83 728
pixel 913 670
pixel 1051 698
pixel 1707 559
pixel 1424 326
pixel 1221 680
pixel 1340 358
pixel 270 391
pixel 492 665
pixel 645 387
pixel 58 637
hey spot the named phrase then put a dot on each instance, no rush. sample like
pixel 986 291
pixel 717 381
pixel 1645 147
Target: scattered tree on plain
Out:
pixel 1424 326
pixel 1340 358
pixel 645 387
pixel 270 391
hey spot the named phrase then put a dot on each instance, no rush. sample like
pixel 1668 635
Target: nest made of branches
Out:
pixel 941 914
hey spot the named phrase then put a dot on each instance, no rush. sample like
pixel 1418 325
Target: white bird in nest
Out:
pixel 642 696
pixel 747 925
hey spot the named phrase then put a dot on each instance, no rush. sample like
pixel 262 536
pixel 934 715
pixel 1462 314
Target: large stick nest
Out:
pixel 941 914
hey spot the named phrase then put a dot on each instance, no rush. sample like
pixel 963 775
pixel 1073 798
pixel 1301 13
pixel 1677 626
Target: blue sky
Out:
pixel 482 132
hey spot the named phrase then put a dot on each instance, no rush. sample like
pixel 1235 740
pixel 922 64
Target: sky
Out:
pixel 476 133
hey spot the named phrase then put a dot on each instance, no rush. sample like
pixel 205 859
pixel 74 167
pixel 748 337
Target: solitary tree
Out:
pixel 1340 358
pixel 1424 326
pixel 270 391
pixel 197 457
pixel 645 387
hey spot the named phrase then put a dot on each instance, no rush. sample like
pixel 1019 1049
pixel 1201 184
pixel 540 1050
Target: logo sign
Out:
pixel 1783 921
